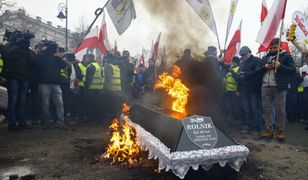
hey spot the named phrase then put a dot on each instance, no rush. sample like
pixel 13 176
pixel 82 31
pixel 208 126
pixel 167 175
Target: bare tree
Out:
pixel 80 30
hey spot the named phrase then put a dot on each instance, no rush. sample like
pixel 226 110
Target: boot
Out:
pixel 268 133
pixel 280 135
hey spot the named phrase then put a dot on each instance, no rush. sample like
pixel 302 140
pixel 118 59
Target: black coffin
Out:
pixel 170 131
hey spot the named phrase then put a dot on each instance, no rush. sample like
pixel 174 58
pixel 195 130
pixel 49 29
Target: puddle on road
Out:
pixel 19 171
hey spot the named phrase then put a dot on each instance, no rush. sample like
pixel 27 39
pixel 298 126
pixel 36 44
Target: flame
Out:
pixel 174 88
pixel 125 109
pixel 122 145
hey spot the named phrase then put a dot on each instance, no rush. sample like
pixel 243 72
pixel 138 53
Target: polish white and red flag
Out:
pixel 234 46
pixel 142 61
pixel 103 45
pixel 89 42
pixel 263 11
pixel 271 23
pixel 156 47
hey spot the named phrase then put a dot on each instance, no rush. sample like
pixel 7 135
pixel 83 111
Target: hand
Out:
pixel 237 93
pixel 276 64
pixel 269 66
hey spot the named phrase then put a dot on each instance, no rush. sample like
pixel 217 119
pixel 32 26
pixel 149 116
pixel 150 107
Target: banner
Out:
pixel 121 12
pixel 233 6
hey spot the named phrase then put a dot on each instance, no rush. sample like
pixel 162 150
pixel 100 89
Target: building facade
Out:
pixel 20 20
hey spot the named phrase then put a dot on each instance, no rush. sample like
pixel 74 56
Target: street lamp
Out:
pixel 61 15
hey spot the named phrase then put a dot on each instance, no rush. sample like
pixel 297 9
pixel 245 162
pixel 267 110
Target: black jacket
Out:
pixel 19 62
pixel 249 81
pixel 284 73
pixel 48 69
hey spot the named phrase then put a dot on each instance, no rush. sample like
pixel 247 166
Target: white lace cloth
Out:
pixel 180 162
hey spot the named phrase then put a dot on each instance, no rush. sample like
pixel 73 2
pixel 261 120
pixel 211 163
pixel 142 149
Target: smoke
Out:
pixel 182 26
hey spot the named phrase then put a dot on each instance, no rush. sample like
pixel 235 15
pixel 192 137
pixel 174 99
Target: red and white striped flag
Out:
pixel 263 11
pixel 271 23
pixel 234 46
pixel 156 47
pixel 103 45
pixel 90 41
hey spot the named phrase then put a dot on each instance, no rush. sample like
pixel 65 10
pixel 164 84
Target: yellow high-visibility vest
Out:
pixel 115 81
pixel 231 84
pixel 97 80
pixel 1 65
pixel 64 72
pixel 83 70
pixel 300 88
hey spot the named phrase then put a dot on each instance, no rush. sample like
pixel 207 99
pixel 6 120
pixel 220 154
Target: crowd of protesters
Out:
pixel 264 93
pixel 46 83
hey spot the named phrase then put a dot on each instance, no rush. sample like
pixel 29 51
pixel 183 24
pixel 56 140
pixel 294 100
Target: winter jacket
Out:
pixel 285 72
pixel 249 81
pixel 19 62
pixel 48 69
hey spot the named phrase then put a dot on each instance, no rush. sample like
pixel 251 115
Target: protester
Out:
pixel 113 87
pixel 304 74
pixel 148 80
pixel 75 76
pixel 275 78
pixel 233 107
pixel 18 70
pixel 49 79
pixel 249 89
pixel 94 85
pixel 127 74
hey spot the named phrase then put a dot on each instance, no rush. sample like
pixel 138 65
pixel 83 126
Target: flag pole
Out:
pixel 220 50
pixel 97 13
pixel 279 44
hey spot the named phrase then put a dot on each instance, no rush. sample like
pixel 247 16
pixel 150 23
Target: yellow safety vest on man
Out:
pixel 231 84
pixel 300 88
pixel 83 70
pixel 97 79
pixel 64 72
pixel 115 84
pixel 1 65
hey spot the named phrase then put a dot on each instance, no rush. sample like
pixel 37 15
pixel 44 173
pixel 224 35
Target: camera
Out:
pixel 20 38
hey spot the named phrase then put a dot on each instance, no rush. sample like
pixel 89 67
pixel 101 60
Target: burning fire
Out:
pixel 174 88
pixel 122 145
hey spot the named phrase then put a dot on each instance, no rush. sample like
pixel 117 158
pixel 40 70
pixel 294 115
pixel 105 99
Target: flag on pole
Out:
pixel 234 45
pixel 121 13
pixel 263 11
pixel 233 6
pixel 103 45
pixel 204 10
pixel 142 62
pixel 156 47
pixel 271 23
pixel 90 41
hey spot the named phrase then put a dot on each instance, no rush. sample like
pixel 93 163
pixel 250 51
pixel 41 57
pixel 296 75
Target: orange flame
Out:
pixel 123 142
pixel 174 88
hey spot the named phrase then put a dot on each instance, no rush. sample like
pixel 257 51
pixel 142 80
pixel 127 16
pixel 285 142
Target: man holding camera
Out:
pixel 276 74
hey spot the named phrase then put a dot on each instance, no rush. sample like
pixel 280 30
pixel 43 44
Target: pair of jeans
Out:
pixel 252 110
pixel 17 91
pixel 52 92
pixel 271 96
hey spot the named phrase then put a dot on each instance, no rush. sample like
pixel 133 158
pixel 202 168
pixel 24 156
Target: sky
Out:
pixel 145 28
